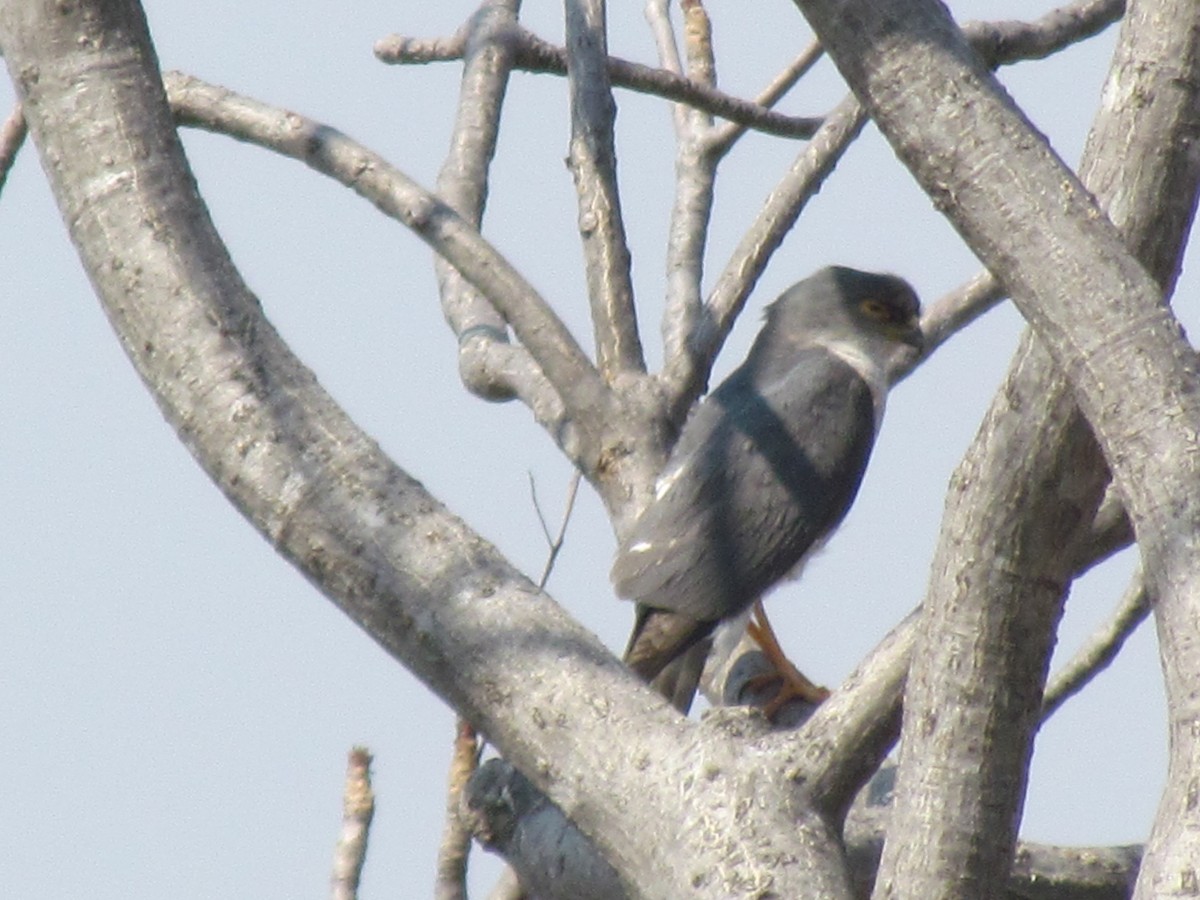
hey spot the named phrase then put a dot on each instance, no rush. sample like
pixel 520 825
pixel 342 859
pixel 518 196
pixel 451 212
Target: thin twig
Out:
pixel 723 137
pixel 532 54
pixel 555 542
pixel 12 136
pixel 455 848
pixel 1100 649
pixel 358 808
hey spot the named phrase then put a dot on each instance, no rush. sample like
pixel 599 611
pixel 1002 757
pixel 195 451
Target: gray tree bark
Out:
pixel 1034 479
pixel 752 812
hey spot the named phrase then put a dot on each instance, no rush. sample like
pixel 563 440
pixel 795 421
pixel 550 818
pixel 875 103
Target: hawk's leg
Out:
pixel 792 682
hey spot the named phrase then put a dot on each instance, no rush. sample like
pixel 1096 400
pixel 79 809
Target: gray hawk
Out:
pixel 766 466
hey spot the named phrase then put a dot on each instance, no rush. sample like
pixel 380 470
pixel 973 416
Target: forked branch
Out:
pixel 532 54
pixel 541 332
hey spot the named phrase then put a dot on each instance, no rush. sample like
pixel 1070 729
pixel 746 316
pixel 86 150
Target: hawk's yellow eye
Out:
pixel 877 310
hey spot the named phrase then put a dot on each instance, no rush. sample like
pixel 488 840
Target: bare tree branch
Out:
pixel 1002 43
pixel 686 373
pixel 691 212
pixel 852 731
pixel 723 137
pixel 455 848
pixel 336 155
pixel 697 43
pixel 430 591
pixel 518 823
pixel 1109 532
pixel 462 182
pixel 554 541
pixel 658 17
pixel 12 136
pixel 949 315
pixel 1041 872
pixel 958 309
pixel 996 649
pixel 358 808
pixel 490 366
pixel 592 160
pixel 532 54
pixel 1100 649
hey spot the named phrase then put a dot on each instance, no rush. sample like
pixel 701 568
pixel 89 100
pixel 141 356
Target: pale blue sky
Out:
pixel 177 702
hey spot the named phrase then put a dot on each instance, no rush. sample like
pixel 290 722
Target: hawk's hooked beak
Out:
pixel 910 333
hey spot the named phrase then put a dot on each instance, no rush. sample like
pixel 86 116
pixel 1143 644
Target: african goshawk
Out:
pixel 767 464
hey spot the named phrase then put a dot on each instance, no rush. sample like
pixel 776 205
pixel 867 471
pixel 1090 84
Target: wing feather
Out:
pixel 760 474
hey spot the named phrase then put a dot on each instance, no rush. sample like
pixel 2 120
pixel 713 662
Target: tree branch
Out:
pixel 1100 649
pixel 489 365
pixel 723 137
pixel 455 848
pixel 358 808
pixel 1042 872
pixel 592 160
pixel 686 372
pixel 414 577
pixel 855 728
pixel 1003 43
pixel 529 832
pixel 532 54
pixel 462 182
pixel 691 212
pixel 957 816
pixel 12 136
pixel 954 312
pixel 1110 531
pixel 332 153
pixel 658 17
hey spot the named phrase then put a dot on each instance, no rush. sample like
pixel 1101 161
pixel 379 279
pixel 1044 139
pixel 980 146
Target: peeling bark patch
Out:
pixel 928 724
pixel 1192 798
pixel 1189 882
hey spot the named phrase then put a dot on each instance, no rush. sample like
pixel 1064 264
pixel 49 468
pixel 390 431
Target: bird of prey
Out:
pixel 766 466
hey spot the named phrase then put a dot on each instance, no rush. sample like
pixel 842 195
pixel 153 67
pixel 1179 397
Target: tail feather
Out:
pixel 668 650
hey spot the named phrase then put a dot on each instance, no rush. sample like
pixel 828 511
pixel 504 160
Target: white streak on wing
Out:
pixel 641 547
pixel 871 371
pixel 666 481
